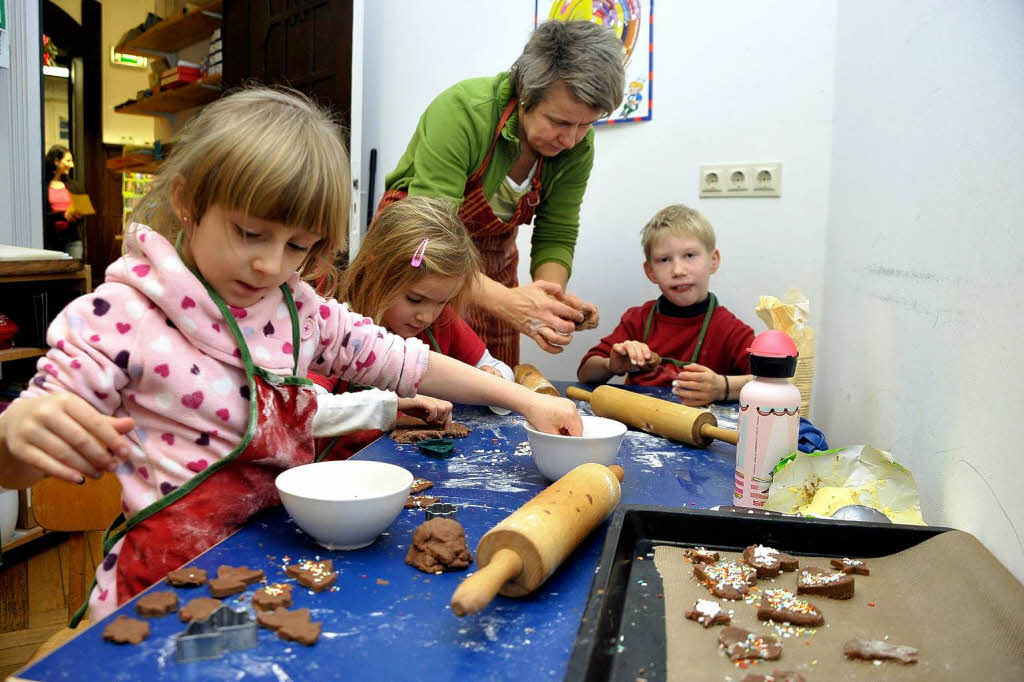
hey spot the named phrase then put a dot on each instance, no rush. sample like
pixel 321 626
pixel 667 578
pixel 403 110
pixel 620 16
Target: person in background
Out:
pixel 702 346
pixel 61 224
pixel 514 148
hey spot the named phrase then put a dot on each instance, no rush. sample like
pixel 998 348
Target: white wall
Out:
pixel 747 82
pixel 919 352
pixel 21 135
pixel 899 129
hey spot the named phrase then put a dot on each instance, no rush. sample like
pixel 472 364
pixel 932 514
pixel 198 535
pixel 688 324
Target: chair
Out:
pixel 75 509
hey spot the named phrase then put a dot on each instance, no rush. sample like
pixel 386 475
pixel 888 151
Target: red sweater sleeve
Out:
pixel 630 328
pixel 456 338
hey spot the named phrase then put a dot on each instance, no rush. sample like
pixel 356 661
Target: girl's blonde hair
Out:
pixel 383 267
pixel 270 153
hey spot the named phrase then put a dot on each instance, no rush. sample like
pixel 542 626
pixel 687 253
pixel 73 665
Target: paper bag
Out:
pixel 792 315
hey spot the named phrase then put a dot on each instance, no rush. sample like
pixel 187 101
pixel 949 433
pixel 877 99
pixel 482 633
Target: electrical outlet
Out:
pixel 766 179
pixel 712 180
pixel 741 180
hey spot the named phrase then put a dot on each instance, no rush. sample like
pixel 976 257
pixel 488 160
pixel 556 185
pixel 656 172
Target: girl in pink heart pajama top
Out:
pixel 152 344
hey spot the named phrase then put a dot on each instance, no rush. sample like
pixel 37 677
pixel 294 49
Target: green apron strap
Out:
pixel 296 332
pixel 433 342
pixel 712 303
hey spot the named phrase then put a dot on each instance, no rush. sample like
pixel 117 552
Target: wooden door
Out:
pixel 304 44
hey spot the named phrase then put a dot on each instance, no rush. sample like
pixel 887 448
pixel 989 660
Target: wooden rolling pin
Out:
pixel 519 554
pixel 660 417
pixel 530 377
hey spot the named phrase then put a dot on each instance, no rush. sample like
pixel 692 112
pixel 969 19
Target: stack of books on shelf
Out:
pixel 214 56
pixel 182 74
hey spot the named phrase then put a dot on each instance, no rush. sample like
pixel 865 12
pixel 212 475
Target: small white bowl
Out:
pixel 344 504
pixel 555 455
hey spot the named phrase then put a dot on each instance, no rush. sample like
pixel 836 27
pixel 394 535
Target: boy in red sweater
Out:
pixel 702 346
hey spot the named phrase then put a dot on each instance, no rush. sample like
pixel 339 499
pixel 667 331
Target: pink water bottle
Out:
pixel 769 421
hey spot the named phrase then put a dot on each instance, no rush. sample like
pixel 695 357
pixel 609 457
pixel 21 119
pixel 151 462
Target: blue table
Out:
pixel 389 621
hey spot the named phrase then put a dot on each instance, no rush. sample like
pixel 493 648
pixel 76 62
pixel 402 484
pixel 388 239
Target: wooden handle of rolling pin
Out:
pixel 519 554
pixel 530 377
pixel 672 420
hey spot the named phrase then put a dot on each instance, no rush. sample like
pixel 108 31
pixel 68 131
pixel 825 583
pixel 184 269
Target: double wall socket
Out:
pixel 740 180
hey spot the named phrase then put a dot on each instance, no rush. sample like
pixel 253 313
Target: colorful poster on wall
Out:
pixel 633 23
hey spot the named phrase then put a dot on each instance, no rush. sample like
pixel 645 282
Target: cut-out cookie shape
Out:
pixel 782 606
pixel 822 582
pixel 855 566
pixel 157 603
pixel 774 676
pixel 293 626
pixel 233 579
pixel 275 596
pixel 198 609
pixel 708 613
pixel 769 561
pixel 421 501
pixel 188 576
pixel 125 630
pixel 316 575
pixel 726 579
pixel 879 650
pixel 701 555
pixel 740 644
pixel 419 485
pixel 221 631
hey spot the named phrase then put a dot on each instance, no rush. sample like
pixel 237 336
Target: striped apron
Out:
pixel 496 241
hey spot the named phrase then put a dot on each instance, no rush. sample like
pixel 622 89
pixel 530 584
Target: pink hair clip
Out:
pixel 417 258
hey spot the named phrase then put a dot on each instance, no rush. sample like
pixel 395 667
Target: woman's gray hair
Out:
pixel 587 56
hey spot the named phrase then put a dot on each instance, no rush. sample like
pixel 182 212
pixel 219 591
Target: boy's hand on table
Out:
pixel 696 385
pixel 430 410
pixel 553 415
pixel 62 435
pixel 627 356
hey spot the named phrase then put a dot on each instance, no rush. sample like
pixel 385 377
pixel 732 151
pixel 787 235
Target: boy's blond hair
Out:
pixel 383 267
pixel 270 153
pixel 680 221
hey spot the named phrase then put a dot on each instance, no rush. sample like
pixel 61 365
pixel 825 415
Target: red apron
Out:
pixel 496 241
pixel 217 501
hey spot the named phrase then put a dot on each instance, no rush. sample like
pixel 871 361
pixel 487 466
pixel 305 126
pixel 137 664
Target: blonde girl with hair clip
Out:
pixel 184 372
pixel 414 275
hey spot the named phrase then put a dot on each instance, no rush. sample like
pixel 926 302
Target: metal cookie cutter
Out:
pixel 440 510
pixel 223 631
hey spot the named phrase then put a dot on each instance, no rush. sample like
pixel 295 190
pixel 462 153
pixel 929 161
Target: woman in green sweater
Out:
pixel 513 148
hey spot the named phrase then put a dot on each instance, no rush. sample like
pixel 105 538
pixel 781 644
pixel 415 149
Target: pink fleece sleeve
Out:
pixel 90 348
pixel 355 349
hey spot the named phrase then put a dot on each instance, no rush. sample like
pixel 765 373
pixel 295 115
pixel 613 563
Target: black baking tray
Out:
pixel 622 633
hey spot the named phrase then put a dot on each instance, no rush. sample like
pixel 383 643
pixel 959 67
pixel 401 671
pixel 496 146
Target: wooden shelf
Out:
pixel 22 537
pixel 16 353
pixel 13 270
pixel 166 102
pixel 176 32
pixel 151 167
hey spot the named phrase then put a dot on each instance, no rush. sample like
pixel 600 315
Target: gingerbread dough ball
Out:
pixel 439 545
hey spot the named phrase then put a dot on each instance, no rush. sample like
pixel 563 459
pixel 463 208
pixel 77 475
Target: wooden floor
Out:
pixel 34 596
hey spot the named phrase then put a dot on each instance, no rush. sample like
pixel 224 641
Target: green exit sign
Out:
pixel 128 60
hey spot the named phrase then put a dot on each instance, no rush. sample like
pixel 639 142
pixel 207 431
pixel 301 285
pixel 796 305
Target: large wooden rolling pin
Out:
pixel 660 417
pixel 530 377
pixel 519 554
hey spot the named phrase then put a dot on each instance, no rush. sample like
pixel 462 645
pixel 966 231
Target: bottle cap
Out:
pixel 773 354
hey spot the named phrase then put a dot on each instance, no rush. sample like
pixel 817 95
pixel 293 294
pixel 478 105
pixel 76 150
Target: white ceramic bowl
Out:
pixel 344 504
pixel 555 456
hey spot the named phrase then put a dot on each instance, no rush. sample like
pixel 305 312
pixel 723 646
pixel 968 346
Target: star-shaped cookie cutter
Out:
pixel 223 631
